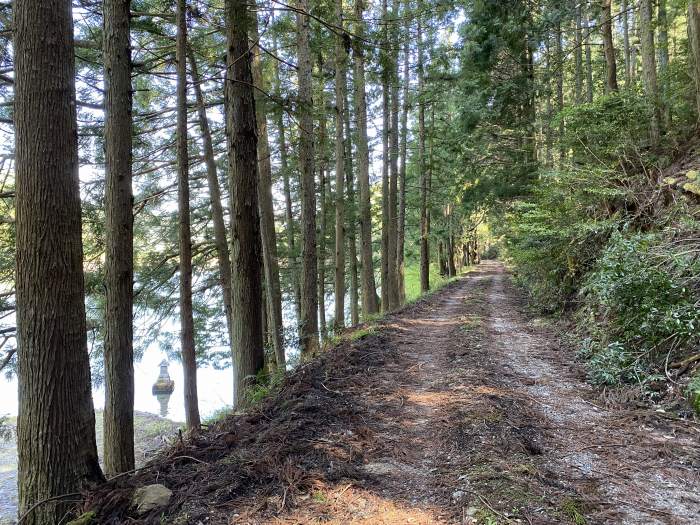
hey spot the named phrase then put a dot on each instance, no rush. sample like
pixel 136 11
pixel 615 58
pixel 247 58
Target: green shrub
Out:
pixel 693 392
pixel 639 307
pixel 607 129
pixel 554 238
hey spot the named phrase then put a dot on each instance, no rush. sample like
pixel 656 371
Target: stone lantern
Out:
pixel 163 388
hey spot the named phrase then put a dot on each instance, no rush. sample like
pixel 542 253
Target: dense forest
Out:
pixel 244 184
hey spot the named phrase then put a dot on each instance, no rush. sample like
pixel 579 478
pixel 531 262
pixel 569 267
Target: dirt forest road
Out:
pixel 456 410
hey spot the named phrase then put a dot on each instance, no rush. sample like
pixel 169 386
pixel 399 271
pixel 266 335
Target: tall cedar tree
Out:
pixel 386 137
pixel 423 171
pixel 309 299
pixel 119 242
pixel 57 452
pixel 340 81
pixel 248 350
pixel 401 226
pixel 189 359
pixel 651 86
pixel 392 234
pixel 350 209
pixel 608 47
pixel 267 210
pixel 369 291
pixel 694 47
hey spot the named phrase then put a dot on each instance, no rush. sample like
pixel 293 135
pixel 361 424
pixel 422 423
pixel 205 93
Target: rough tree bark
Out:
pixel 578 55
pixel 662 48
pixel 217 210
pixel 323 214
pixel 423 173
pixel 267 211
pixel 626 43
pixel 694 46
pixel 309 299
pixel 248 350
pixel 369 290
pixel 393 294
pixel 339 259
pixel 189 359
pixel 589 60
pixel 401 227
pixel 386 137
pixel 57 452
pixel 119 242
pixel 651 87
pixel 560 89
pixel 351 212
pixel 608 47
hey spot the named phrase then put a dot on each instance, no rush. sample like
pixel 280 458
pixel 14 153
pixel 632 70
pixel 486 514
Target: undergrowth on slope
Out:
pixel 608 237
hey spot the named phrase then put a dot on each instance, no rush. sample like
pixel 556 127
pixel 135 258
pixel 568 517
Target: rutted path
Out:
pixel 456 410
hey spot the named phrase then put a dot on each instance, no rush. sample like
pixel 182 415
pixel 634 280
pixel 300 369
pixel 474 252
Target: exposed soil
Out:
pixel 455 410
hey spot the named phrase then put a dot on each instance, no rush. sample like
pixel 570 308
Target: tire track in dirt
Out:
pixel 454 410
pixel 633 467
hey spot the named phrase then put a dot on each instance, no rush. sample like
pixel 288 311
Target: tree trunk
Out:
pixel 322 178
pixel 578 55
pixel 309 303
pixel 401 226
pixel 424 227
pixel 560 90
pixel 633 50
pixel 549 113
pixel 662 24
pixel 589 61
pixel 284 170
pixel 369 291
pixel 351 210
pixel 608 47
pixel 626 43
pixel 217 210
pixel 651 87
pixel 267 211
pixel 386 135
pixel 339 259
pixel 324 190
pixel 694 47
pixel 451 270
pixel 248 351
pixel 119 242
pixel 57 452
pixel 189 359
pixel 442 263
pixel 393 292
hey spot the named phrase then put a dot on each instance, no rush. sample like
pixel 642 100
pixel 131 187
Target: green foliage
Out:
pixel 612 126
pixel 573 511
pixel 641 297
pixel 218 415
pixel 693 392
pixel 265 384
pixel 555 236
pixel 412 280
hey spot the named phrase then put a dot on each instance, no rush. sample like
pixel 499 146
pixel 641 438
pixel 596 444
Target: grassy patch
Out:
pixel 218 415
pixel 573 510
pixel 412 281
pixel 362 332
